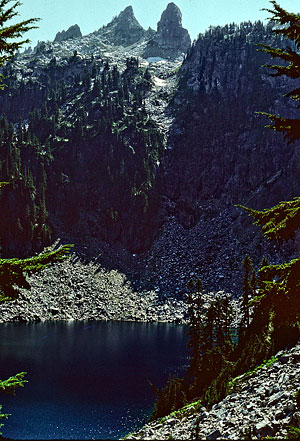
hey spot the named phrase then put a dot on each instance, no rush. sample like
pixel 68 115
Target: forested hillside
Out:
pixel 79 149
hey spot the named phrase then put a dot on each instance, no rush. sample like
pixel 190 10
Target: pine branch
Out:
pixel 290 22
pixel 294 95
pixel 12 32
pixel 292 70
pixel 287 54
pixel 289 127
pixel 3 416
pixel 9 386
pixel 280 291
pixel 279 222
pixel 13 271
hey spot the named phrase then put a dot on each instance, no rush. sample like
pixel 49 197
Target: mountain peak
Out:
pixel 128 11
pixel 124 30
pixel 171 7
pixel 171 16
pixel 127 17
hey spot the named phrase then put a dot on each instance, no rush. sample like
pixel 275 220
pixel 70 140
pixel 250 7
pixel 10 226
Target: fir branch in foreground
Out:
pixel 290 127
pixel 279 222
pixel 13 271
pixel 10 34
pixel 289 21
pixel 9 386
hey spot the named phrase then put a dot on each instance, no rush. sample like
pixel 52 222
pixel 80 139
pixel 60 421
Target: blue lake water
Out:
pixel 87 380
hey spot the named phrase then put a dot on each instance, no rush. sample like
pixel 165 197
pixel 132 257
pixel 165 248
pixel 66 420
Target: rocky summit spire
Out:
pixel 170 30
pixel 124 29
pixel 170 18
pixel 73 32
pixel 171 38
pixel 127 14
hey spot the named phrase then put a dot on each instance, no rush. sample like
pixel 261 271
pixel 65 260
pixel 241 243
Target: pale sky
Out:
pixel 90 15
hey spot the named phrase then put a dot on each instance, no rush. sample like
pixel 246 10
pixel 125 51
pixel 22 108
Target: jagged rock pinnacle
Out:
pixel 127 12
pixel 171 38
pixel 170 16
pixel 170 30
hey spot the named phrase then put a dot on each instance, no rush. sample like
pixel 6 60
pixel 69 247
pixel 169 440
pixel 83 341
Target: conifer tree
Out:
pixel 248 288
pixel 289 27
pixel 279 285
pixel 11 33
pixel 196 325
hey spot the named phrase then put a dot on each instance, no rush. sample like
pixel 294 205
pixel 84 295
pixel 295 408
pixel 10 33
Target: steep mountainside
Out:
pixel 102 145
pixel 222 150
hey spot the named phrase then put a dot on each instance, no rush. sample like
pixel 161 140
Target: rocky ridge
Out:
pixel 114 43
pixel 263 403
pixel 125 34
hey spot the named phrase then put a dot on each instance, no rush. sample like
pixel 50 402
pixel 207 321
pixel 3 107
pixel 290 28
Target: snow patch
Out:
pixel 159 82
pixel 155 59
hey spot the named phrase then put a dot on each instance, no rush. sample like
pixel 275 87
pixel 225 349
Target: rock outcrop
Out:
pixel 73 32
pixel 123 30
pixel 171 39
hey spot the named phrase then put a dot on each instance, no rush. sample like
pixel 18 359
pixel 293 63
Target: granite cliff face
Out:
pixel 73 32
pixel 171 39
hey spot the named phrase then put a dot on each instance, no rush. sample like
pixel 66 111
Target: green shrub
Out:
pixel 170 398
pixel 293 432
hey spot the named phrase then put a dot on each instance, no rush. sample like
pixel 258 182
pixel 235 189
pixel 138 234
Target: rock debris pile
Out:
pixel 209 248
pixel 77 290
